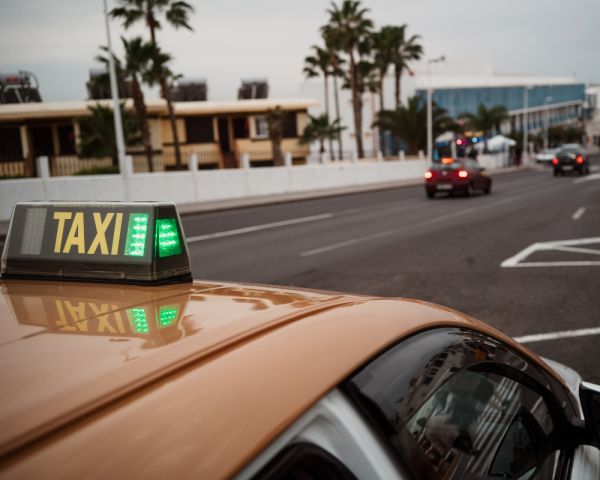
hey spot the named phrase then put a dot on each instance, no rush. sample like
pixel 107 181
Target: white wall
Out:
pixel 206 185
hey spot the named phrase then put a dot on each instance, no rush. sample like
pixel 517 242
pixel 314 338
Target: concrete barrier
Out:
pixel 207 185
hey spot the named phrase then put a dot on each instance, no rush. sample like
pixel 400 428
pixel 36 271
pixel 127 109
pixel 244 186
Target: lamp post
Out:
pixel 547 100
pixel 115 98
pixel 429 107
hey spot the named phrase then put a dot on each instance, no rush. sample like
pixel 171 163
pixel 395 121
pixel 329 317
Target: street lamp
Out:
pixel 115 98
pixel 429 107
pixel 547 100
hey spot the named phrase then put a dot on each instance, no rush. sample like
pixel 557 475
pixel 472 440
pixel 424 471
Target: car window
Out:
pixel 446 166
pixel 448 410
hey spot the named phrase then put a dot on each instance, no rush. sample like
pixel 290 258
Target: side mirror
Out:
pixel 482 169
pixel 589 395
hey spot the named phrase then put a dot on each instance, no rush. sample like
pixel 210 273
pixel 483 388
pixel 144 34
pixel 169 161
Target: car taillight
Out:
pixel 428 175
pixel 579 159
pixel 463 173
pixel 555 161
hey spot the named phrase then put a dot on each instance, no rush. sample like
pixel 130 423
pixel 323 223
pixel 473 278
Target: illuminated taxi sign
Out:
pixel 136 242
pixel 447 161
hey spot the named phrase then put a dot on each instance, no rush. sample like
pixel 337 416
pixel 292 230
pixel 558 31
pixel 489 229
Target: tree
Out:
pixel 139 56
pixel 409 123
pixel 349 28
pixel 276 121
pixel 337 71
pixel 176 13
pixel 97 132
pixel 485 120
pixel 320 129
pixel 384 50
pixel 315 66
pixel 405 52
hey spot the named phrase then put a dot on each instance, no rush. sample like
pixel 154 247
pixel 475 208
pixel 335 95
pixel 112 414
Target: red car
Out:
pixel 456 175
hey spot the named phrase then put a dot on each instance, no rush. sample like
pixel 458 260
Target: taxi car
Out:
pixel 115 364
pixel 452 175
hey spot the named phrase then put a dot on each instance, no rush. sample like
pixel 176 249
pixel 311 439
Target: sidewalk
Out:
pixel 192 208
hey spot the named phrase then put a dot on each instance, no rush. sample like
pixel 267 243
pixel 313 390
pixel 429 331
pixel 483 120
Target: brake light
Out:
pixel 579 159
pixel 428 175
pixel 463 173
pixel 555 161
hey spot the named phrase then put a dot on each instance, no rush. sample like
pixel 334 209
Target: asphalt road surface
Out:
pixel 449 250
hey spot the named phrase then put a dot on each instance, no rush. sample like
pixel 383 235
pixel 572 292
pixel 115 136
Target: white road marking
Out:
pixel 294 221
pixel 578 213
pixel 559 245
pixel 587 178
pixel 256 228
pixel 354 241
pixel 541 337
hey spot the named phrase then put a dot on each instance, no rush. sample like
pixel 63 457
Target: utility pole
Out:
pixel 546 120
pixel 429 107
pixel 115 98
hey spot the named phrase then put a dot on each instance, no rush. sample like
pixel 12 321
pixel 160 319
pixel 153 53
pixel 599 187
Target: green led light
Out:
pixel 167 237
pixel 135 244
pixel 137 316
pixel 167 315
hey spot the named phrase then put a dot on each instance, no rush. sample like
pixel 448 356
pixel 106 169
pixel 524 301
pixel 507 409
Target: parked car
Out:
pixel 546 156
pixel 571 158
pixel 451 175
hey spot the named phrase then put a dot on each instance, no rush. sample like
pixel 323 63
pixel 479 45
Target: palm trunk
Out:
pixel 337 114
pixel 326 82
pixel 142 118
pixel 356 106
pixel 277 153
pixel 397 86
pixel 381 109
pixel 172 120
pixel 165 91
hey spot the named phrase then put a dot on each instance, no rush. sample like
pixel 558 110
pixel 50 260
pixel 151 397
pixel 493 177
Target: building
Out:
pixel 460 86
pixel 217 132
pixel 592 117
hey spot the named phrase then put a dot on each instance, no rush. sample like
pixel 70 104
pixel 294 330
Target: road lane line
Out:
pixel 354 241
pixel 578 213
pixel 587 178
pixel 256 228
pixel 542 337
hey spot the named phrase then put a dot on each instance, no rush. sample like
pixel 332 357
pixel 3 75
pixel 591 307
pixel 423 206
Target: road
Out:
pixel 449 250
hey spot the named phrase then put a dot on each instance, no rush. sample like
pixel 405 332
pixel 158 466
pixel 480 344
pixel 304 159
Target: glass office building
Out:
pixel 551 104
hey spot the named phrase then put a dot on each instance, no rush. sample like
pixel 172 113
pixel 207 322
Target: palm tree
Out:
pixel 384 50
pixel 97 132
pixel 321 129
pixel 136 68
pixel 406 52
pixel 485 120
pixel 176 14
pixel 276 121
pixel 315 66
pixel 409 123
pixel 349 27
pixel 337 71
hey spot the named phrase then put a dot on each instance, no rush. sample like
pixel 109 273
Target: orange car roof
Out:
pixel 219 370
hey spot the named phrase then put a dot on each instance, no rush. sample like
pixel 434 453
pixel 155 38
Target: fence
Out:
pixel 195 186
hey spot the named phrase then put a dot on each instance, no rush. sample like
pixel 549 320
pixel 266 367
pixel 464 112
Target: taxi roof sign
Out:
pixel 125 242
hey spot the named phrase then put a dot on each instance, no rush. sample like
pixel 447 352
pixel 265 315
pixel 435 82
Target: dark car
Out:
pixel 456 175
pixel 571 158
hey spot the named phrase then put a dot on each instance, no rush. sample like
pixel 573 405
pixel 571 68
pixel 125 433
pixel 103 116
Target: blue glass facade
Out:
pixel 459 100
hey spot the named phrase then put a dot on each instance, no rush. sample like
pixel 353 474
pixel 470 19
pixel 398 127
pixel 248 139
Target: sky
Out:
pixel 233 39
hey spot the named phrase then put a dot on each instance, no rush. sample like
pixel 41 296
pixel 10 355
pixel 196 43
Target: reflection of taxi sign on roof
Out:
pixel 137 242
